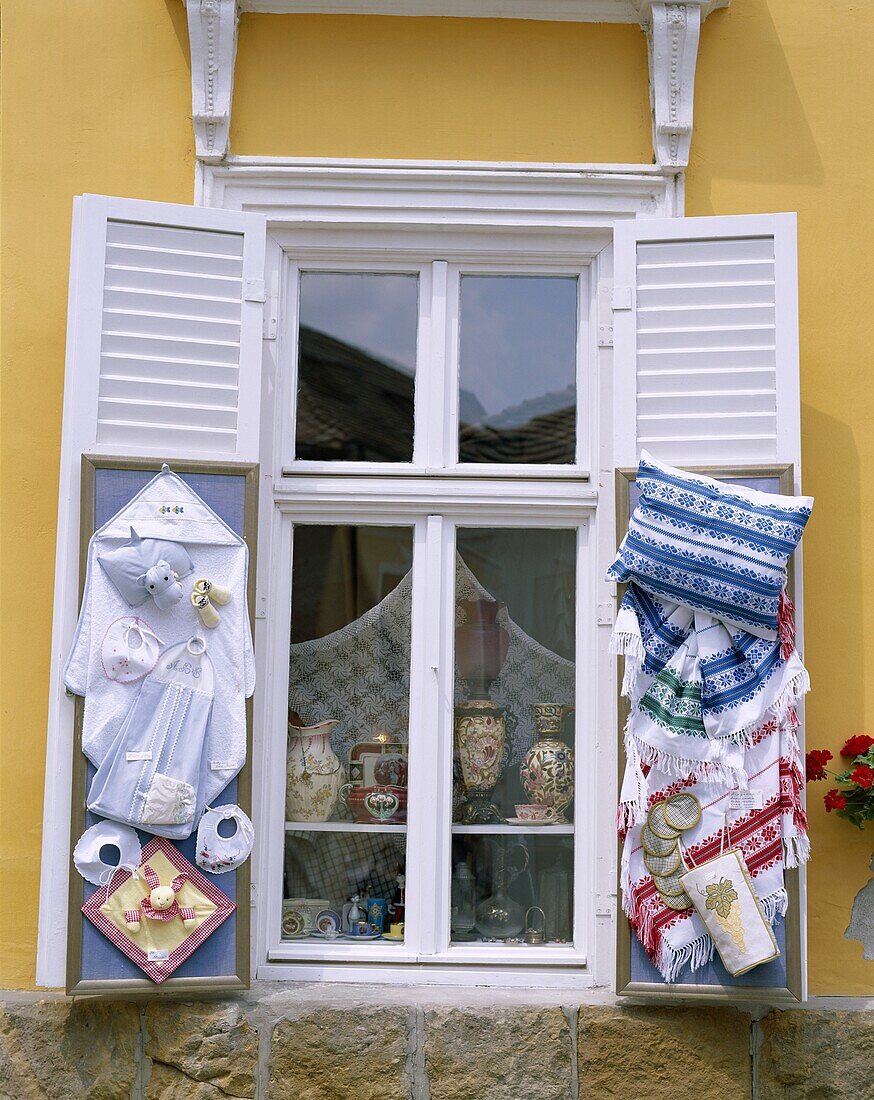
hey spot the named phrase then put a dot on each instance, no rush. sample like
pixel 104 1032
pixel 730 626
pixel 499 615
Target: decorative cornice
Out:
pixel 212 35
pixel 672 28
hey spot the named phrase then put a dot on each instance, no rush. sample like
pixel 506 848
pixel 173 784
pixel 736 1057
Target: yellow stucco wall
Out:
pixel 95 97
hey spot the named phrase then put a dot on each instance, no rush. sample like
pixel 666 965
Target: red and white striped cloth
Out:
pixel 772 835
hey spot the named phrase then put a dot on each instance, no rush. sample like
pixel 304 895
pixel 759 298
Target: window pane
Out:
pixel 513 775
pixel 356 366
pixel 348 716
pixel 517 377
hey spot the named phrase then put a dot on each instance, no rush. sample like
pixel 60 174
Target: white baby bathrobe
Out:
pixel 167 508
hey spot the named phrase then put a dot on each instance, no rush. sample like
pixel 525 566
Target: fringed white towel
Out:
pixel 698 691
pixel 766 822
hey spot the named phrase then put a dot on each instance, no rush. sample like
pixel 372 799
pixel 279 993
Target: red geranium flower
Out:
pixel 815 763
pixel 857 745
pixel 834 800
pixel 863 776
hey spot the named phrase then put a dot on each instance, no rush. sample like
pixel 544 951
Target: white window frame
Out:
pixel 339 215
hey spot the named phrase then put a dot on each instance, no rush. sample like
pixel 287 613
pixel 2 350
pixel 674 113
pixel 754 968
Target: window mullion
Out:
pixel 429 796
pixel 431 368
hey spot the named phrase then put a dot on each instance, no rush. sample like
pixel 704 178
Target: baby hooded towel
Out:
pixel 169 509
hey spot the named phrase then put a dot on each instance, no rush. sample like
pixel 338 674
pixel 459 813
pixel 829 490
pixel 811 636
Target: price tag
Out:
pixel 746 800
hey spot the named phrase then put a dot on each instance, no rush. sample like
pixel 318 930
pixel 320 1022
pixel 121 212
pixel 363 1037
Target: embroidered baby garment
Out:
pixel 168 509
pixel 152 775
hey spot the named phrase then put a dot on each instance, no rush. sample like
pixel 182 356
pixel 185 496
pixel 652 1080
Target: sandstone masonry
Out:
pixel 337 1042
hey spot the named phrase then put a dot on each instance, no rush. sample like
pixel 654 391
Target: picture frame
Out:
pixel 111 974
pixel 634 972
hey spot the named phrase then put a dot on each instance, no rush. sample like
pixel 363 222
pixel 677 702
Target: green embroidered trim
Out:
pixel 675 704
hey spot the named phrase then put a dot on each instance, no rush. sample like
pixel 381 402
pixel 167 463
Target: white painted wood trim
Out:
pixel 440 195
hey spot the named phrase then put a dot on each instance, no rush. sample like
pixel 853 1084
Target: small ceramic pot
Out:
pixel 372 805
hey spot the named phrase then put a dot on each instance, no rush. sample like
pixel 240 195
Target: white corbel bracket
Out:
pixel 212 35
pixel 672 29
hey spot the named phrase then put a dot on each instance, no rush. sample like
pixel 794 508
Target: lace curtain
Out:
pixel 360 674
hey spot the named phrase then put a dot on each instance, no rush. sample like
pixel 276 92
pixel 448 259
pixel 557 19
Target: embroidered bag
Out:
pixel 722 893
pixel 711 546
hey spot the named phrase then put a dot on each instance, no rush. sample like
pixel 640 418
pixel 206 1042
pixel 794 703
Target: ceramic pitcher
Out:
pixel 314 773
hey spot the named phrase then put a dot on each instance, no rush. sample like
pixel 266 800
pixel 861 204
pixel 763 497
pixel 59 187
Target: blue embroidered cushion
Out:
pixel 713 546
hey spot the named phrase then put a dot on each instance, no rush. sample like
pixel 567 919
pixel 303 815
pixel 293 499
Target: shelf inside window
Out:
pixel 512 830
pixel 340 827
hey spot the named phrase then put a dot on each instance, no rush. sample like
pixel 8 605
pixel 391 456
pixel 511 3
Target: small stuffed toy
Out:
pixel 161 904
pixel 162 584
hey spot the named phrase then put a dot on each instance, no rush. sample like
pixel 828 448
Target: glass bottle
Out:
pixel 463 912
pixel 499 917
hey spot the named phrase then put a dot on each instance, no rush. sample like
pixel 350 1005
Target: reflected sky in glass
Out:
pixel 518 342
pixel 372 312
pixel 356 366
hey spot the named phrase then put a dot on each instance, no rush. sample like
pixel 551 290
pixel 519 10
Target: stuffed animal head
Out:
pixel 162 584
pixel 162 897
pixel 158 579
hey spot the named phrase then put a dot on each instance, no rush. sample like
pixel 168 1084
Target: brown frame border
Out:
pixel 792 992
pixel 219 983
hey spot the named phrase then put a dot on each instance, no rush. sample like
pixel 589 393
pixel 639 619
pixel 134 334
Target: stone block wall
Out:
pixel 354 1043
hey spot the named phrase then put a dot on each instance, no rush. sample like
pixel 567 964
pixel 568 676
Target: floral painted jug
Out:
pixel 314 773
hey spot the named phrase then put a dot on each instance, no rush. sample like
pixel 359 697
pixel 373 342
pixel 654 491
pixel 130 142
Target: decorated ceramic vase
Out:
pixel 547 771
pixel 480 734
pixel 314 773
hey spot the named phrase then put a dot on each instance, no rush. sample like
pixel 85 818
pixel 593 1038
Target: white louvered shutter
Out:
pixel 164 333
pixel 706 340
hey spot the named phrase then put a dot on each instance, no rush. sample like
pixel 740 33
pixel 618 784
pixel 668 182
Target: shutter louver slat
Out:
pixel 704 342
pixel 165 399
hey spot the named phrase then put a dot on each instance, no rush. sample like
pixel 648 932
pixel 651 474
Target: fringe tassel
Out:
pixel 796 850
pixel 631 680
pixel 626 640
pixel 699 771
pixel 633 796
pixel 669 961
pixel 786 623
pixel 781 710
pixel 774 905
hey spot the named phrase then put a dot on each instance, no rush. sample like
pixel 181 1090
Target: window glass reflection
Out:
pixel 356 366
pixel 517 400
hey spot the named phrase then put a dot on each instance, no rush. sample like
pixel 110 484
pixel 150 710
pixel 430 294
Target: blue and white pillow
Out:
pixel 713 546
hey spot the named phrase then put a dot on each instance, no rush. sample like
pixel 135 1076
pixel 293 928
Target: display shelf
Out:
pixel 507 830
pixel 340 827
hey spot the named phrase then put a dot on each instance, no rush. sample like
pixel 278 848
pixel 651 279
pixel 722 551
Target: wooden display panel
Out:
pixel 221 964
pixel 775 982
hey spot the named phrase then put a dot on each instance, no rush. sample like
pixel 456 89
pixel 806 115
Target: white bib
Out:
pixel 130 649
pixel 216 853
pixel 86 854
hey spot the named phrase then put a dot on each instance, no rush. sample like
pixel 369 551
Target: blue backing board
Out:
pixel 771 975
pixel 101 960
